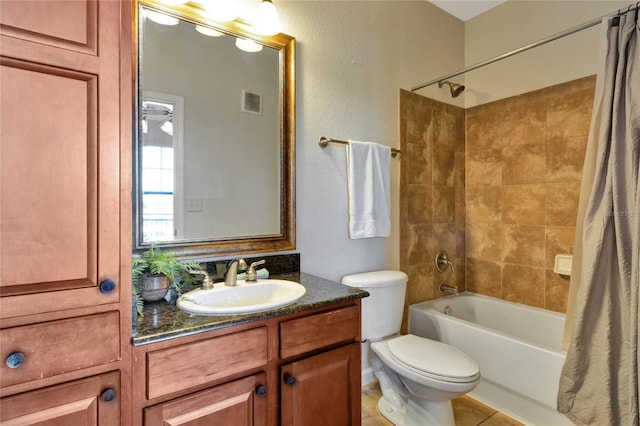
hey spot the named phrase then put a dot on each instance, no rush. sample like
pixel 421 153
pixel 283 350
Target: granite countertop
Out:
pixel 163 320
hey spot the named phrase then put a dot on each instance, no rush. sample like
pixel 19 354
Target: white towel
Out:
pixel 369 189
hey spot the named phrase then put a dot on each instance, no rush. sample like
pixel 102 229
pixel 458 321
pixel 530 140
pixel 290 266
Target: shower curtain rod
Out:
pixel 528 46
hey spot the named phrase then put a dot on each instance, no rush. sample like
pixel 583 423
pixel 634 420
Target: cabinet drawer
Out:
pixel 234 403
pixel 178 368
pixel 306 334
pixel 92 401
pixel 59 347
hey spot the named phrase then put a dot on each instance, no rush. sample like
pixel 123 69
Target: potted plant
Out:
pixel 155 271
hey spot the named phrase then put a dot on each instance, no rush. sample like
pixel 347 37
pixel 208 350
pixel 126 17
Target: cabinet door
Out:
pixel 238 403
pixel 59 154
pixel 323 389
pixel 87 402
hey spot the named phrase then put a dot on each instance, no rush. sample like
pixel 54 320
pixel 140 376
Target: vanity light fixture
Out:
pixel 208 31
pixel 248 45
pixel 267 21
pixel 161 18
pixel 221 10
pixel 174 2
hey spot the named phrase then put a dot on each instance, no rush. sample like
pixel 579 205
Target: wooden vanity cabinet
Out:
pixel 298 369
pixel 323 389
pixel 64 209
pixel 241 402
pixel 92 401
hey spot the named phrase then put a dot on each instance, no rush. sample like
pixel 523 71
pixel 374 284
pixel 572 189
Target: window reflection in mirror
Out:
pixel 213 139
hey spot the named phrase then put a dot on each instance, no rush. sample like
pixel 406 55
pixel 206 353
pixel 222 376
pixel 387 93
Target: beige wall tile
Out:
pixel 559 240
pixel 525 163
pixel 433 136
pixel 569 115
pixel 419 205
pixel 444 204
pixel 460 169
pixel 416 164
pixel 420 244
pixel 565 158
pixel 556 291
pixel 523 245
pixel 523 204
pixel 519 161
pixel 484 277
pixel 484 205
pixel 484 241
pixel 562 203
pixel 523 284
pixel 484 168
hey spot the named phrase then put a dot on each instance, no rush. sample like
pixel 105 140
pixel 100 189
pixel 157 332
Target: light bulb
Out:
pixel 221 10
pixel 248 45
pixel 174 2
pixel 161 18
pixel 208 31
pixel 267 21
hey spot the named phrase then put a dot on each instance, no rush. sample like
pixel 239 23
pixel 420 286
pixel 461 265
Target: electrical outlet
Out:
pixel 194 205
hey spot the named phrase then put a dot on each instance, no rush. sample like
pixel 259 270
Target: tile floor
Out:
pixel 466 411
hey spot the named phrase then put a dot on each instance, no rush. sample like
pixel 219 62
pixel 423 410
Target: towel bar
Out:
pixel 323 142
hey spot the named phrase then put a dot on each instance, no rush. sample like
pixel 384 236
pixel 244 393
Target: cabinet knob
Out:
pixel 15 360
pixel 108 395
pixel 290 380
pixel 107 286
pixel 261 390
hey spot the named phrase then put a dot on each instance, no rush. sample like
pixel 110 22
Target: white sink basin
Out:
pixel 242 298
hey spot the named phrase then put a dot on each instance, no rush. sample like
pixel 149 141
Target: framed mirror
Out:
pixel 215 143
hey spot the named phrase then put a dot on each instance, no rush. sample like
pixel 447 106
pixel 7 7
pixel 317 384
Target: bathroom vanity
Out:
pixel 298 364
pixel 64 241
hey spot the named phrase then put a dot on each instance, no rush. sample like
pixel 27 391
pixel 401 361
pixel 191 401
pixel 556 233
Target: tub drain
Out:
pixel 447 310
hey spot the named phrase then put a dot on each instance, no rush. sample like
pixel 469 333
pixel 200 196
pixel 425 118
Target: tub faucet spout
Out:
pixel 448 289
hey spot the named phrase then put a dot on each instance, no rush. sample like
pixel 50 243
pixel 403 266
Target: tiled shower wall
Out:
pixel 524 166
pixel 432 211
pixel 523 162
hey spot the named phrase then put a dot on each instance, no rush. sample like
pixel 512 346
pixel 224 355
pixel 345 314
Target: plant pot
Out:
pixel 154 287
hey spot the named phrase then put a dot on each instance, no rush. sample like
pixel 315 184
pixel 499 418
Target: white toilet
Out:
pixel 418 377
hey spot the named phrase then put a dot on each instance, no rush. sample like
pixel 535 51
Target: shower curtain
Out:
pixel 599 381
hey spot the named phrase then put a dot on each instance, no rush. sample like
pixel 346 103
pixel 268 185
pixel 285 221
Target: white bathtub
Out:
pixel 517 348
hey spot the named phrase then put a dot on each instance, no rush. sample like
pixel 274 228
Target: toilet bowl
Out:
pixel 418 377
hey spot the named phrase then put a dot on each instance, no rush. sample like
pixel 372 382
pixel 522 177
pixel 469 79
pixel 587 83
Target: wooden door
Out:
pixel 239 403
pixel 92 401
pixel 323 389
pixel 59 155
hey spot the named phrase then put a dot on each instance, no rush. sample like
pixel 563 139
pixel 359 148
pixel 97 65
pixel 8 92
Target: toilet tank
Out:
pixel 382 310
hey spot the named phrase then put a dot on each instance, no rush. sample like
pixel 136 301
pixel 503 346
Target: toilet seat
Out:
pixel 432 359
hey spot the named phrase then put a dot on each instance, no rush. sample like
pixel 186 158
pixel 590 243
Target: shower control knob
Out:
pixel 290 380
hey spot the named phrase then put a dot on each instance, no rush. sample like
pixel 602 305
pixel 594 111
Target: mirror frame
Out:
pixel 219 247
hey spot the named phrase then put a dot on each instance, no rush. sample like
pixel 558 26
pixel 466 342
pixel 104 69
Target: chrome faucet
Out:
pixel 231 277
pixel 448 289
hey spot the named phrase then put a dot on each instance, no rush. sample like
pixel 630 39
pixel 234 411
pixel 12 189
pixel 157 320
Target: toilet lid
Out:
pixel 433 357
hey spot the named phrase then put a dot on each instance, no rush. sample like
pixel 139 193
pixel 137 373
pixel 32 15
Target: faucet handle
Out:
pixel 443 262
pixel 252 275
pixel 207 282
